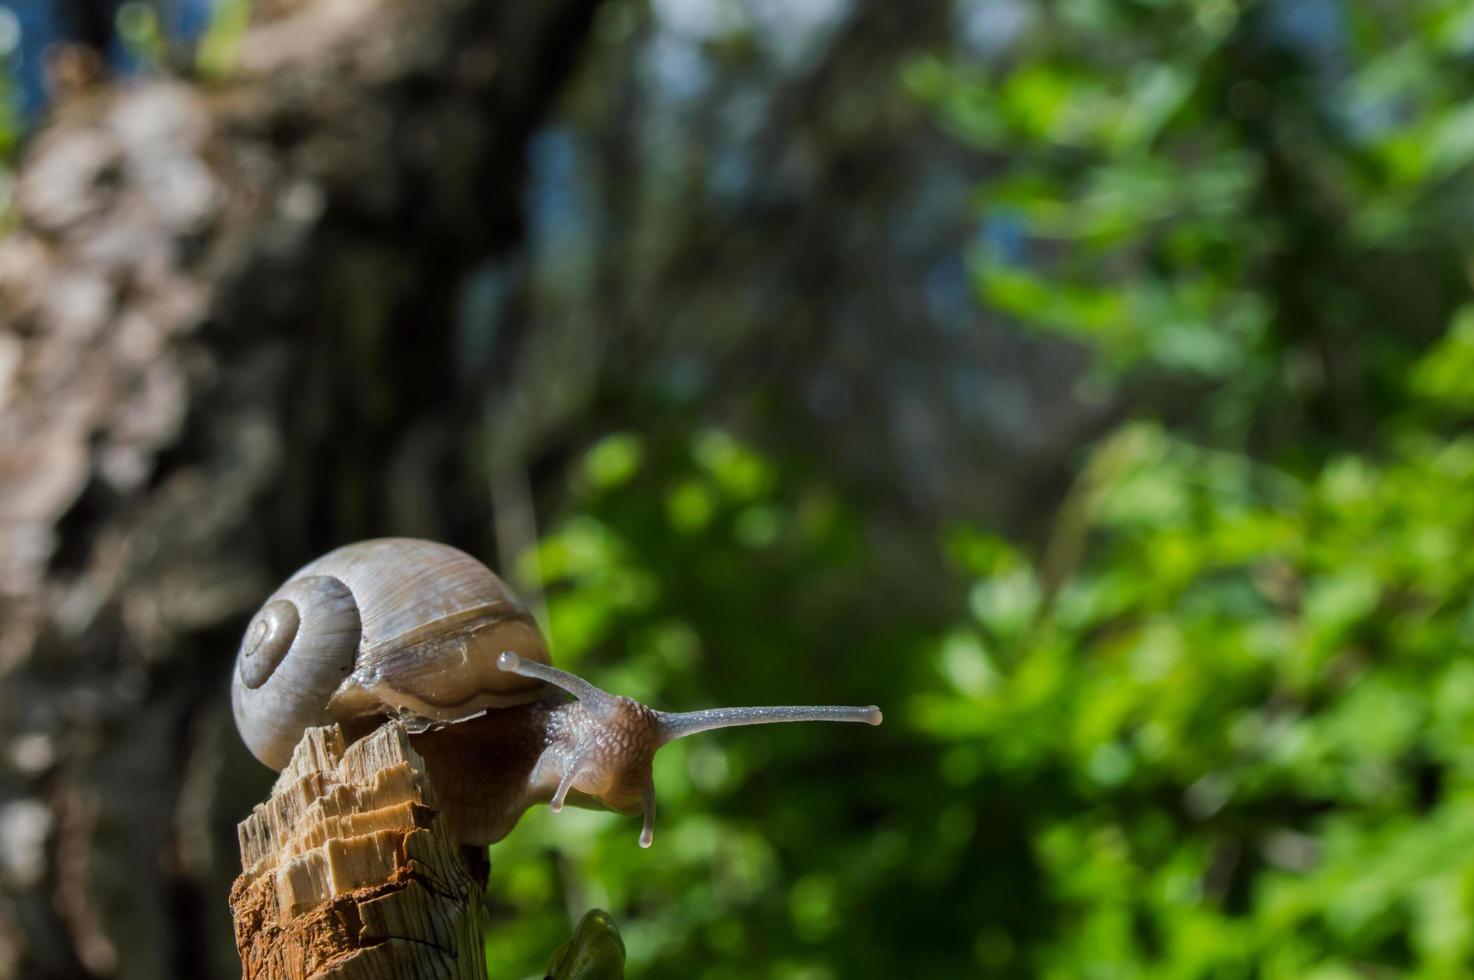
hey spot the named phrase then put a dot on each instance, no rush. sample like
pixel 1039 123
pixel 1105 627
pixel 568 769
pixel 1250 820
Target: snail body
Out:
pixel 415 629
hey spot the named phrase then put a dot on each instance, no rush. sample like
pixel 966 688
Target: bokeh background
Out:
pixel 1087 383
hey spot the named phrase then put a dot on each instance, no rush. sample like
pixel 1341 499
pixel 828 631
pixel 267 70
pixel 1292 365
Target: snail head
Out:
pixel 611 756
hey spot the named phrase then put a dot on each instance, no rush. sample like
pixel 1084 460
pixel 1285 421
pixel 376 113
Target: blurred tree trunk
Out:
pixel 226 343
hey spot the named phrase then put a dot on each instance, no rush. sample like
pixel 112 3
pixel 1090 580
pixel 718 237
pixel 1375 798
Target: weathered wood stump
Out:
pixel 348 870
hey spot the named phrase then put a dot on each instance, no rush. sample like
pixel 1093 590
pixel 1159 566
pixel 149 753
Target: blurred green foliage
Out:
pixel 10 130
pixel 1268 201
pixel 1253 698
pixel 1221 722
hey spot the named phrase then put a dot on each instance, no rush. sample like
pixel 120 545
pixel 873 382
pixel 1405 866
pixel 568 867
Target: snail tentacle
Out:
pixel 647 802
pixel 574 770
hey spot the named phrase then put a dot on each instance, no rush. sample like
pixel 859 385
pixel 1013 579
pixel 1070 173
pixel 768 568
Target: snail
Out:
pixel 398 627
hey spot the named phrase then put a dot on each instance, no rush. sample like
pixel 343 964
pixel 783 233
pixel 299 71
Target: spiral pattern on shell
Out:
pixel 267 641
pixel 296 653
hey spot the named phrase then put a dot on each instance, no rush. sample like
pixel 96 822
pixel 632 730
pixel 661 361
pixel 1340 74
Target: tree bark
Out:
pixel 227 344
pixel 349 871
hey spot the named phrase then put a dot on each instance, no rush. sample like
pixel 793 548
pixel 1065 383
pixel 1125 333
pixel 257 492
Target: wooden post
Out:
pixel 348 872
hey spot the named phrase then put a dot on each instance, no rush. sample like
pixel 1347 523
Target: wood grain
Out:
pixel 349 871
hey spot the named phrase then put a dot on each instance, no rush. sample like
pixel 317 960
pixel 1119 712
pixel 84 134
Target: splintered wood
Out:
pixel 349 872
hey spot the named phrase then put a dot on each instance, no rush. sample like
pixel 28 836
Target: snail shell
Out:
pixel 374 628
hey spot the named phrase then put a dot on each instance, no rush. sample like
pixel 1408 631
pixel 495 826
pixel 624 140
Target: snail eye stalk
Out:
pixel 679 724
